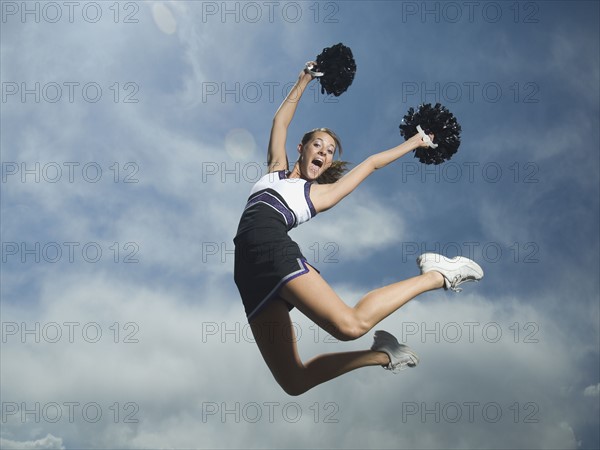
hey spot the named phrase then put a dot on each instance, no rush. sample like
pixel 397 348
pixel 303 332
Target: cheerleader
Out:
pixel 273 276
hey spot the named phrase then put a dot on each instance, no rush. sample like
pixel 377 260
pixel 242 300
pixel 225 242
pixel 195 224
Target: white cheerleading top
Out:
pixel 288 196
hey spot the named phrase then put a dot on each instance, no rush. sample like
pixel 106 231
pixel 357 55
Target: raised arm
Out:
pixel 276 155
pixel 325 196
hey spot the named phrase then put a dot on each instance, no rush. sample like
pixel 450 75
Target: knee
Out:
pixel 349 328
pixel 293 386
pixel 294 390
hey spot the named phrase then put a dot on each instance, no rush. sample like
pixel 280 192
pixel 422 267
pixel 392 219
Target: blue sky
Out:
pixel 131 134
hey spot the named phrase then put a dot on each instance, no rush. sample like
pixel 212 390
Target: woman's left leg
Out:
pixel 313 296
pixel 274 334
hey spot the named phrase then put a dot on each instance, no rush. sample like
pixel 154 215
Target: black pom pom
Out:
pixel 440 122
pixel 338 67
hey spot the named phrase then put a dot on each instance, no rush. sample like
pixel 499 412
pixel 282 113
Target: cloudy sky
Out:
pixel 131 135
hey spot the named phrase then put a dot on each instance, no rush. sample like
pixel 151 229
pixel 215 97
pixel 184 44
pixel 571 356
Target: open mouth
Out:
pixel 315 166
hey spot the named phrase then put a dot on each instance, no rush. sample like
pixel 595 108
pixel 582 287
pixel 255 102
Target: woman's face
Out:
pixel 316 155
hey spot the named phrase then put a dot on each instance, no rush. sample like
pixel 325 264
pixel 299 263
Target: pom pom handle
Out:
pixel 309 69
pixel 426 137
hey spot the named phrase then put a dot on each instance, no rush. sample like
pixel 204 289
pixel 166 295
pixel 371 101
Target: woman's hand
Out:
pixel 305 75
pixel 417 141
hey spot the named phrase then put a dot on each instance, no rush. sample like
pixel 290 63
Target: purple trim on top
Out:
pixel 303 269
pixel 271 200
pixel 313 211
pixel 282 174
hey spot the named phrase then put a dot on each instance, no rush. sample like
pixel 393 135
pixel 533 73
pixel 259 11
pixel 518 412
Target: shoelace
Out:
pixel 459 280
pixel 396 368
pixel 455 282
pixel 400 365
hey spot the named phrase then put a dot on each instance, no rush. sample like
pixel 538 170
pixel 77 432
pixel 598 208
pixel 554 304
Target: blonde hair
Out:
pixel 337 168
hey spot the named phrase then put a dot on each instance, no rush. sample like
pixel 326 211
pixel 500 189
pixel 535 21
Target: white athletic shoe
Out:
pixel 401 356
pixel 455 270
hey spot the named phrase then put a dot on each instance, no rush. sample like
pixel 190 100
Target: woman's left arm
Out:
pixel 325 196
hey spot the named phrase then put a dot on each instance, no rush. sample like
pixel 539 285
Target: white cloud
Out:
pixel 592 391
pixel 48 442
pixel 195 361
pixel 359 226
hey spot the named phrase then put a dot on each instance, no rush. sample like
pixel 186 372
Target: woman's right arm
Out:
pixel 276 155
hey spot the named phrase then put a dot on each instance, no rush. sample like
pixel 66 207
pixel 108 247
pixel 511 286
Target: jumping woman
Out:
pixel 273 277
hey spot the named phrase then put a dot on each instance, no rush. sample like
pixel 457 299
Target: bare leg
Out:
pixel 311 294
pixel 380 303
pixel 274 334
